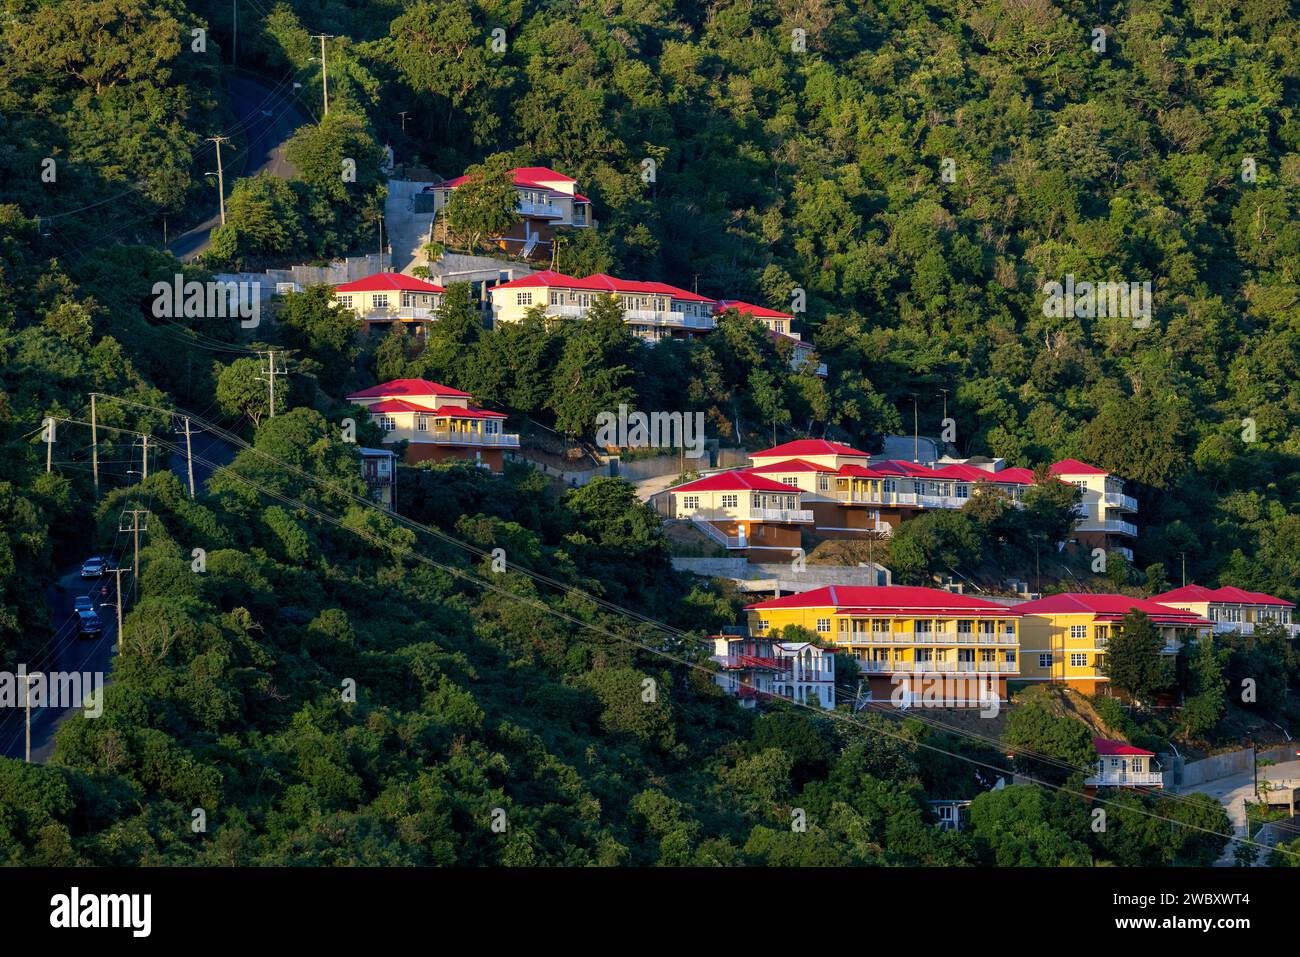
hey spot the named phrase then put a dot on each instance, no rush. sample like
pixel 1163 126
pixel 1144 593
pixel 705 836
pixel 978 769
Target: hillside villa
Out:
pixel 437 422
pixel 386 298
pixel 757 669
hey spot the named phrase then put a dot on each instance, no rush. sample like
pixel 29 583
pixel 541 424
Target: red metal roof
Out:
pixel 388 282
pixel 600 282
pixel 893 598
pixel 804 447
pixel 1108 607
pixel 445 412
pixel 1075 467
pixel 737 480
pixel 791 465
pixel 414 388
pixel 749 309
pixel 1105 746
pixel 528 176
pixel 1225 595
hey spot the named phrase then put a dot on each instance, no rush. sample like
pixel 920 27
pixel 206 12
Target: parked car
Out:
pixel 83 603
pixel 94 567
pixel 92 626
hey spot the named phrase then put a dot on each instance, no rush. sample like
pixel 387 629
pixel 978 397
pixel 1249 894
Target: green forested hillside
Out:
pixel 775 169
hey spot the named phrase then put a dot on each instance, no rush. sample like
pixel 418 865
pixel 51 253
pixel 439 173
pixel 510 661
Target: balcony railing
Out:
pixel 1126 779
pixel 1107 525
pixel 400 312
pixel 1119 500
pixel 715 533
pixel 941 667
pixel 873 498
pixel 780 515
pixel 539 209
pixel 493 439
pixel 752 661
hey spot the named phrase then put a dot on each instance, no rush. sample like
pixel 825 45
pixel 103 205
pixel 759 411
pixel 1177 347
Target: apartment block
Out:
pixel 1064 637
pixel 653 310
pixel 912 645
pixel 1233 609
pixel 1105 511
pixel 758 669
pixel 745 513
pixel 780 327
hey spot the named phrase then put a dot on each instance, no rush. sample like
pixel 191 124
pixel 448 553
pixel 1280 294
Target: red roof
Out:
pixel 600 282
pixel 1226 595
pixel 445 412
pixel 883 598
pixel 406 387
pixel 1105 746
pixel 791 465
pixel 529 176
pixel 1107 607
pixel 749 309
pixel 1075 467
pixel 388 282
pixel 804 447
pixel 728 481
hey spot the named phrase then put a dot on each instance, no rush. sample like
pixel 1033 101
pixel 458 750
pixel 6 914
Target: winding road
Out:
pixel 268 117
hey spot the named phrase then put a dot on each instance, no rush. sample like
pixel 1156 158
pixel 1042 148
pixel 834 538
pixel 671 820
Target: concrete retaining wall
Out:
pixel 1190 774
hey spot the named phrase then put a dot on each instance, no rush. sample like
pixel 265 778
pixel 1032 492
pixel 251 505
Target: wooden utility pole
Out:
pixel 135 530
pixel 270 380
pixel 49 443
pixel 144 469
pixel 27 706
pixel 189 458
pixel 118 596
pixel 221 179
pixel 324 73
pixel 94 444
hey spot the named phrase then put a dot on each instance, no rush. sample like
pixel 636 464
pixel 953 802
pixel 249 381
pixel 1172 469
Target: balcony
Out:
pixel 540 210
pixel 780 515
pixel 1118 500
pixel 452 437
pixel 670 318
pixel 1107 525
pixel 737 662
pixel 873 498
pixel 399 313
pixel 940 667
pixel 1119 779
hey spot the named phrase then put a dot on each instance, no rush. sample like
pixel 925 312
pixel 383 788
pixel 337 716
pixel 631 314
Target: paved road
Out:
pixel 405 230
pixel 268 118
pixel 66 651
pixel 1235 790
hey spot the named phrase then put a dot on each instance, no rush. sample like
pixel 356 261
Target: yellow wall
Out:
pixel 1041 634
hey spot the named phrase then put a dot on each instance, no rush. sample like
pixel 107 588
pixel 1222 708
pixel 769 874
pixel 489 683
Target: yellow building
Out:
pixel 1233 609
pixel 1064 637
pixel 911 644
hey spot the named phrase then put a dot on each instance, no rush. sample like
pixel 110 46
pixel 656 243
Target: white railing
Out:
pixel 941 667
pixel 401 312
pixel 780 515
pixel 502 439
pixel 538 209
pixel 715 533
pixel 873 498
pixel 1118 500
pixel 1123 778
pixel 566 311
pixel 1108 525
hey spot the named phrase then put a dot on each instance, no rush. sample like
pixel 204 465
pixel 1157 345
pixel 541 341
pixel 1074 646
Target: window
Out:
pixel 824 625
pixel 790 480
pixel 690 501
pixel 345 301
pixel 1078 660
pixel 822 483
pixel 730 501
pixel 963 491
pixel 1045 661
pixel 780 326
pixel 523 299
pixel 1078 632
pixel 762 625
pixel 379 300
pixel 386 422
pixel 1009 657
pixel 407 300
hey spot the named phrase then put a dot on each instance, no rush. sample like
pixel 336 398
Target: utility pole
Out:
pixel 135 530
pixel 49 444
pixel 94 444
pixel 144 468
pixel 1183 556
pixel 118 572
pixel 270 379
pixel 403 116
pixel 27 706
pixel 324 73
pixel 234 43
pixel 381 242
pixel 221 178
pixel 189 458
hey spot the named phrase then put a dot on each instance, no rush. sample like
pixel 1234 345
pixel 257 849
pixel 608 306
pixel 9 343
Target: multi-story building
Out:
pixel 388 297
pixel 912 644
pixel 437 422
pixel 756 669
pixel 1121 765
pixel 780 326
pixel 379 469
pixel 1064 637
pixel 745 513
pixel 1105 511
pixel 1233 609
pixel 548 202
pixel 653 310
